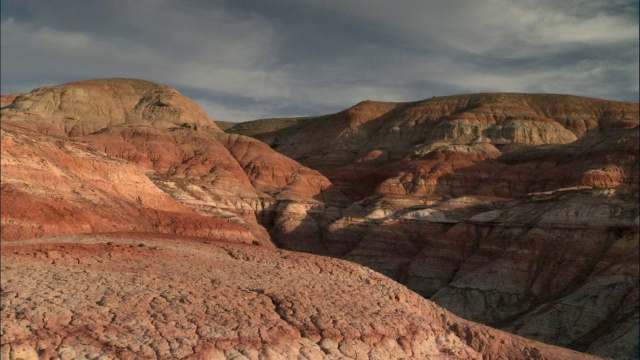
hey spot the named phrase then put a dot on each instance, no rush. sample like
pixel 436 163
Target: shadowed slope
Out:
pixel 514 210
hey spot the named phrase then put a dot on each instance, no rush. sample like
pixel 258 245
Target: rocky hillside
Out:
pixel 122 154
pixel 515 210
pixel 487 144
pixel 518 211
pixel 535 265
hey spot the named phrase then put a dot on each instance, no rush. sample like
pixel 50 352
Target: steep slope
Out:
pixel 560 266
pixel 58 186
pixel 365 149
pixel 515 210
pixel 85 126
pixel 146 297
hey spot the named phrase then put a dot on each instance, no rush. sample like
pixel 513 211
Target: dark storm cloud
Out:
pixel 244 59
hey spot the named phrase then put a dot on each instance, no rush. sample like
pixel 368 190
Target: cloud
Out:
pixel 584 47
pixel 247 82
pixel 271 59
pixel 511 28
pixel 211 49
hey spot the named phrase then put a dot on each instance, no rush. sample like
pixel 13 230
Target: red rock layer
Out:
pixel 163 137
pixel 484 203
pixel 449 145
pixel 56 186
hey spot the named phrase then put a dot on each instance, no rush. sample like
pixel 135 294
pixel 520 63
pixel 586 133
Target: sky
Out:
pixel 248 59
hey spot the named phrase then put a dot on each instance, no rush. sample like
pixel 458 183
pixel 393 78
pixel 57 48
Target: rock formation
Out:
pixel 508 209
pixel 102 155
pixel 519 211
pixel 512 144
pixel 85 107
pixel 59 186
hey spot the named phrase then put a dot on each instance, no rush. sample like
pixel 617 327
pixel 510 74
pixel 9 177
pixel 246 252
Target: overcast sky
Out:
pixel 243 59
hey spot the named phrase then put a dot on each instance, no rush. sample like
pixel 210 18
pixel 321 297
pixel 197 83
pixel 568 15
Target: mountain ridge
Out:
pixel 517 214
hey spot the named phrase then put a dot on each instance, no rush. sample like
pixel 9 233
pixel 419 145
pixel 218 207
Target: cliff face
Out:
pixel 518 211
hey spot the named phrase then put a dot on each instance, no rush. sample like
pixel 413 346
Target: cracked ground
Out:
pixel 143 296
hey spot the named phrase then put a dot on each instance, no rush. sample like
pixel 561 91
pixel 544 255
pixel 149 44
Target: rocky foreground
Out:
pixel 134 227
pixel 137 296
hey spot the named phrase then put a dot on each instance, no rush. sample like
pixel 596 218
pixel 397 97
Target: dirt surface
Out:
pixel 137 296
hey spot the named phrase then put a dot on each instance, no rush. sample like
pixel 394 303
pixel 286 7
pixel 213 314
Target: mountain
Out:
pixel 396 148
pixel 135 227
pixel 515 210
pixel 122 154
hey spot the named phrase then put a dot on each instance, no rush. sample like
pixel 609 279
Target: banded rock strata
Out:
pixel 519 211
pixel 515 210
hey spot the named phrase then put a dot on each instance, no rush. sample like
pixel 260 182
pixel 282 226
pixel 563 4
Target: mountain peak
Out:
pixel 83 107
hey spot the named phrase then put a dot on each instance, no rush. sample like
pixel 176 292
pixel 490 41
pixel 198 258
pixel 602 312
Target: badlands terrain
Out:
pixel 487 226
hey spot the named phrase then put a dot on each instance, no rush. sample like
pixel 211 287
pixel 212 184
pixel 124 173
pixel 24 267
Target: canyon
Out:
pixel 387 230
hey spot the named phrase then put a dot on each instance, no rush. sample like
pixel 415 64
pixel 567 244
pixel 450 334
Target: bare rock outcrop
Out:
pixel 84 107
pixel 399 128
pixel 162 136
pixel 519 211
pixel 142 296
pixel 56 186
pixel 448 145
pixel 559 266
pixel 508 209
